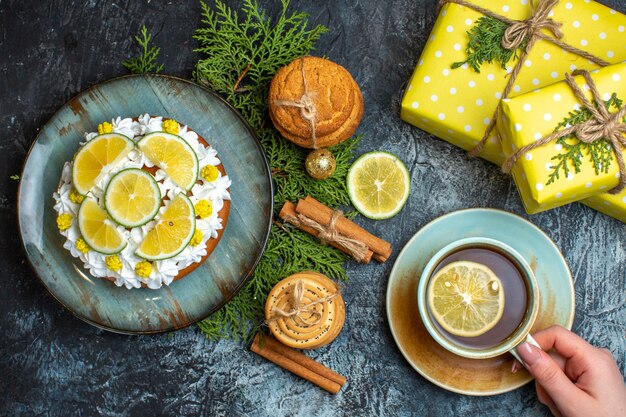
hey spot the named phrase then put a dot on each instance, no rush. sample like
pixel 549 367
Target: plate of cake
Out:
pixel 145 204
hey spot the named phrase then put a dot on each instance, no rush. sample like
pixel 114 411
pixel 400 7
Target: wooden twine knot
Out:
pixel 306 104
pixel 298 308
pixel 601 125
pixel 326 234
pixel 517 32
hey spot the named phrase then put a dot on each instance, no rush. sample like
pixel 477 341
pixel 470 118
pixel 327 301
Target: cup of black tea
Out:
pixel 478 298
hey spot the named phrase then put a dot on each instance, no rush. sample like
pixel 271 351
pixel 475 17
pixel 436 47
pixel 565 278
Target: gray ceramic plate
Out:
pixel 443 368
pixel 217 280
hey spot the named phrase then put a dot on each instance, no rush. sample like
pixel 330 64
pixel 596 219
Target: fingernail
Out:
pixel 515 367
pixel 529 354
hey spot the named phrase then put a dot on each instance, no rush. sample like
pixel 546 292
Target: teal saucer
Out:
pixel 441 367
pixel 217 280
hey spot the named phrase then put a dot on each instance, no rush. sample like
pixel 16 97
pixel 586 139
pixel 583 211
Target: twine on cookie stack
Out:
pixel 315 103
pixel 305 310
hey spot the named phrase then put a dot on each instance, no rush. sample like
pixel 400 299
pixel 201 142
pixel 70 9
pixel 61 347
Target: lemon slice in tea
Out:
pixel 172 233
pixel 173 155
pixel 466 298
pixel 132 197
pixel 97 229
pixel 378 185
pixel 94 159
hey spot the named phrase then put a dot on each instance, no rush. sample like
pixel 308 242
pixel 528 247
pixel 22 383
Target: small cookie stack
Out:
pixel 315 103
pixel 305 310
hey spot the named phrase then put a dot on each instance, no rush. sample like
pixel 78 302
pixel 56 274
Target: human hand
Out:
pixel 576 378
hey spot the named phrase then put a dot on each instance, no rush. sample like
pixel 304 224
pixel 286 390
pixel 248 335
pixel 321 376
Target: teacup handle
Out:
pixel 529 339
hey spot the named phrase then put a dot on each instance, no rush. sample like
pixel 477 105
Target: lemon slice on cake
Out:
pixel 378 184
pixel 132 197
pixel 96 157
pixel 173 155
pixel 172 233
pixel 97 229
pixel 466 298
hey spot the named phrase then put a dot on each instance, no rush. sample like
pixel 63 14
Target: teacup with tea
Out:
pixel 478 298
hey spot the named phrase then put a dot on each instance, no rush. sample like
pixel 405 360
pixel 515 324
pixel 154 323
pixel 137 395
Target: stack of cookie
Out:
pixel 315 103
pixel 305 310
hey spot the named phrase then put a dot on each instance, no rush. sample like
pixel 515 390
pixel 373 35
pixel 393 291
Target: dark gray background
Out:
pixel 51 363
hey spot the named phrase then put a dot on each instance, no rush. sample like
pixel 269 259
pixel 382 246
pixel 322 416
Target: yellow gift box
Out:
pixel 457 104
pixel 532 116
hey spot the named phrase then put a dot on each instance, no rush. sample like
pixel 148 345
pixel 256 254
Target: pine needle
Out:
pixel 243 52
pixel 147 60
pixel 600 152
pixel 485 44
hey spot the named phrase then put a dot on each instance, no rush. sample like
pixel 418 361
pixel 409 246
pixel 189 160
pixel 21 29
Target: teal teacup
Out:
pixel 521 298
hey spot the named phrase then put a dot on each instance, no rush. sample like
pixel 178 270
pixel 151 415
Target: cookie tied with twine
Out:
pixel 315 103
pixel 305 310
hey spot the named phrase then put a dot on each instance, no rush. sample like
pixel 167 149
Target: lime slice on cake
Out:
pixel 466 298
pixel 96 157
pixel 132 197
pixel 172 233
pixel 173 155
pixel 378 184
pixel 97 229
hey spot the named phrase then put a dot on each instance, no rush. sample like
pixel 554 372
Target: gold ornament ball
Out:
pixel 320 164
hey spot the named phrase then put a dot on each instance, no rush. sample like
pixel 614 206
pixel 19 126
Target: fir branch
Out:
pixel 147 61
pixel 485 44
pixel 244 51
pixel 600 152
pixel 15 177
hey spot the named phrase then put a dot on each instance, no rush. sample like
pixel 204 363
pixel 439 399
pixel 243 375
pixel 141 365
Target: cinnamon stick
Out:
pixel 317 211
pixel 292 366
pixel 272 343
pixel 288 212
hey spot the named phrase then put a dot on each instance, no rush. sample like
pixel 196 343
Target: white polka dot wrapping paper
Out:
pixel 531 116
pixel 458 104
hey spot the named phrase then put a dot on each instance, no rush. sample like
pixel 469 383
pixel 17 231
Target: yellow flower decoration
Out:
pixel 81 245
pixel 171 126
pixel 196 238
pixel 105 127
pixel 204 208
pixel 114 262
pixel 76 197
pixel 143 269
pixel 210 173
pixel 64 221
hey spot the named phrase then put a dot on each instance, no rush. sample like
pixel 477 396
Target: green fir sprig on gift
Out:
pixel 147 60
pixel 243 52
pixel 600 152
pixel 485 44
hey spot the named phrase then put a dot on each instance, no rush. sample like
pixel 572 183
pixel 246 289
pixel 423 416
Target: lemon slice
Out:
pixel 132 197
pixel 173 155
pixel 466 298
pixel 96 157
pixel 172 233
pixel 97 229
pixel 378 185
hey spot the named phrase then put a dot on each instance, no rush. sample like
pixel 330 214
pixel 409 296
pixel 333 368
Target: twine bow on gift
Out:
pixel 298 308
pixel 327 234
pixel 306 105
pixel 517 32
pixel 529 30
pixel 601 125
